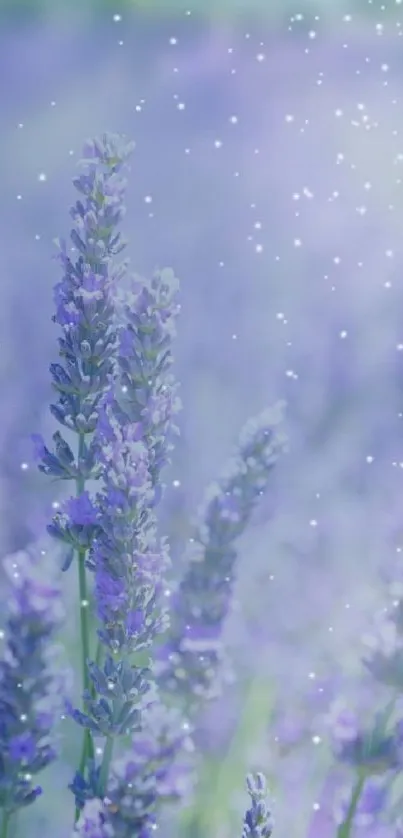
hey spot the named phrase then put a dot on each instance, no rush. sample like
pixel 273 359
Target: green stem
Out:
pixel 106 761
pixel 344 830
pixel 87 746
pixel 5 822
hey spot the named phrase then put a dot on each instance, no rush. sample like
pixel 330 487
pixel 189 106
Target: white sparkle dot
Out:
pixel 148 199
pixel 297 242
pixel 289 117
pixel 217 143
pixel 343 334
pixel 313 523
pixel 176 483
pixel 42 177
pixel 24 466
pixel 173 41
pixel 117 18
pixel 369 459
pixel 233 119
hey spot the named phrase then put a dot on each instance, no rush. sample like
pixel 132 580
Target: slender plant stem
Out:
pixel 87 746
pixel 344 830
pixel 5 822
pixel 106 761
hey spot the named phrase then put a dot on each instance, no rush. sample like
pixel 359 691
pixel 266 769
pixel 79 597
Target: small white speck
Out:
pixel 148 199
pixel 289 117
pixel 217 143
pixel 343 335
pixel 24 466
pixel 117 18
pixel 369 459
pixel 42 177
pixel 173 41
pixel 297 242
pixel 233 119
pixel 313 523
pixel 176 483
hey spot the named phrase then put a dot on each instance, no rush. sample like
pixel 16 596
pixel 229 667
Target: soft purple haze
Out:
pixel 267 173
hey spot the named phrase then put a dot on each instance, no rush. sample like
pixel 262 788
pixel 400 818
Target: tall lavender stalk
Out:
pixel 87 347
pixel 31 684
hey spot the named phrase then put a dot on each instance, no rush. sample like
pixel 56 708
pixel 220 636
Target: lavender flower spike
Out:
pixel 83 305
pixel 258 821
pixel 147 391
pixel 189 662
pixel 31 686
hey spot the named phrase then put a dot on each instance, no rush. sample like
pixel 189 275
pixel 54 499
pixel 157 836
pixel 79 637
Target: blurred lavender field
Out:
pixel 268 174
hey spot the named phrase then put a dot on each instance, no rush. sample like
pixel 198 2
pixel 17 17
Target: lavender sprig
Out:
pixel 258 821
pixel 31 685
pixel 128 563
pixel 190 660
pixel 84 312
pixel 147 391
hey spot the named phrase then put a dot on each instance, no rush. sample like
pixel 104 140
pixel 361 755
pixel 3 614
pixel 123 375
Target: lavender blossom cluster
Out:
pixel 146 668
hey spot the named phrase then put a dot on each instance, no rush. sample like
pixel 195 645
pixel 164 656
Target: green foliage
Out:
pixel 275 12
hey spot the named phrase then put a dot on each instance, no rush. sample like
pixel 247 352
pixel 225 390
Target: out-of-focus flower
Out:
pixel 156 769
pixel 189 663
pixel 93 821
pixel 32 685
pixel 372 746
pixel 383 656
pixel 258 820
pixel 370 806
